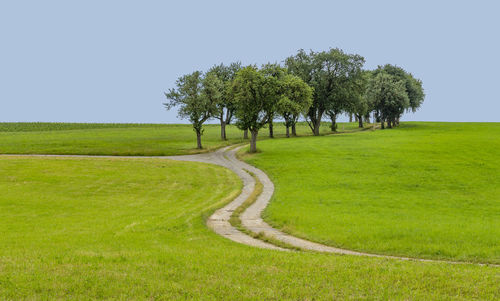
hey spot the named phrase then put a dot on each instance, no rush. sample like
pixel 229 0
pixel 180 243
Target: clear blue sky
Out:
pixel 110 61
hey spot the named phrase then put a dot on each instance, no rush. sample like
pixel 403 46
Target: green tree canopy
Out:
pixel 296 99
pixel 330 74
pixel 273 89
pixel 255 96
pixel 225 104
pixel 196 97
pixel 413 86
pixel 389 96
pixel 359 103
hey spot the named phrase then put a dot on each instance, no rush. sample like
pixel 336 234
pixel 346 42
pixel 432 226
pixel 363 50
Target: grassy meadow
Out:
pixel 427 190
pixel 113 228
pixel 122 139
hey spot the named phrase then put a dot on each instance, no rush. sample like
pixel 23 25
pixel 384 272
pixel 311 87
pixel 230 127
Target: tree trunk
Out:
pixel 316 127
pixel 333 126
pixel 222 129
pixel 315 123
pixel 356 119
pixel 397 121
pixel 382 124
pixel 360 121
pixel 350 117
pixel 294 130
pixel 198 139
pixel 253 141
pixel 367 118
pixel 245 134
pixel 271 130
pixel 389 123
pixel 287 131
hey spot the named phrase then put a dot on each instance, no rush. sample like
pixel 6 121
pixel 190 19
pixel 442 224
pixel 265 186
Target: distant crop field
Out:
pixel 64 126
pixel 123 139
pixel 426 190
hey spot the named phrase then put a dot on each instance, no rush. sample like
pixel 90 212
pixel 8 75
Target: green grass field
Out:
pixel 121 139
pixel 134 229
pixel 427 190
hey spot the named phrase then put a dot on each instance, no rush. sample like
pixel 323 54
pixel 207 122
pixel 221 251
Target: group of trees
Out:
pixel 314 85
pixel 262 94
pixel 255 97
pixel 391 92
pixel 201 97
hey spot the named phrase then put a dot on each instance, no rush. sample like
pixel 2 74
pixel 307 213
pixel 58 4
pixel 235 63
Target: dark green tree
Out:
pixel 225 104
pixel 196 98
pixel 273 74
pixel 251 89
pixel 330 74
pixel 295 100
pixel 413 87
pixel 359 104
pixel 344 71
pixel 389 96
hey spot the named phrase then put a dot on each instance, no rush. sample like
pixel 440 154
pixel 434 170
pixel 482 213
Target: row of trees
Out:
pixel 314 85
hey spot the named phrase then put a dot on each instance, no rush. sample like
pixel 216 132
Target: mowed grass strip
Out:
pixel 134 229
pixel 123 139
pixel 235 219
pixel 426 190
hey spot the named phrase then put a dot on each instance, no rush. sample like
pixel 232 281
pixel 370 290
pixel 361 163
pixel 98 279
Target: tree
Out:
pixel 225 105
pixel 250 88
pixel 196 98
pixel 388 93
pixel 359 103
pixel 295 100
pixel 330 74
pixel 343 74
pixel 413 87
pixel 415 90
pixel 302 65
pixel 273 74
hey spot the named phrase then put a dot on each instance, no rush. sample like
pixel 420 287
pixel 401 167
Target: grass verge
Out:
pixel 235 219
pixel 423 190
pixel 113 228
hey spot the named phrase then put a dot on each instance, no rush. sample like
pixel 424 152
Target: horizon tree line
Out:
pixel 312 85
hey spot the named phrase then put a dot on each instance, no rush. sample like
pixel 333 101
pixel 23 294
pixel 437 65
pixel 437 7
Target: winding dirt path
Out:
pixel 251 218
pixel 219 220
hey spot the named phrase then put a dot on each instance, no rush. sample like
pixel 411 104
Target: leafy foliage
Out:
pixel 313 84
pixel 295 100
pixel 225 104
pixel 399 82
pixel 261 94
pixel 251 103
pixel 331 74
pixel 196 98
pixel 389 96
pixel 359 103
pixel 413 86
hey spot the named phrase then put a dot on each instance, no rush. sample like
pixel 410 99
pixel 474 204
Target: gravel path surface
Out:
pixel 251 218
pixel 219 221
